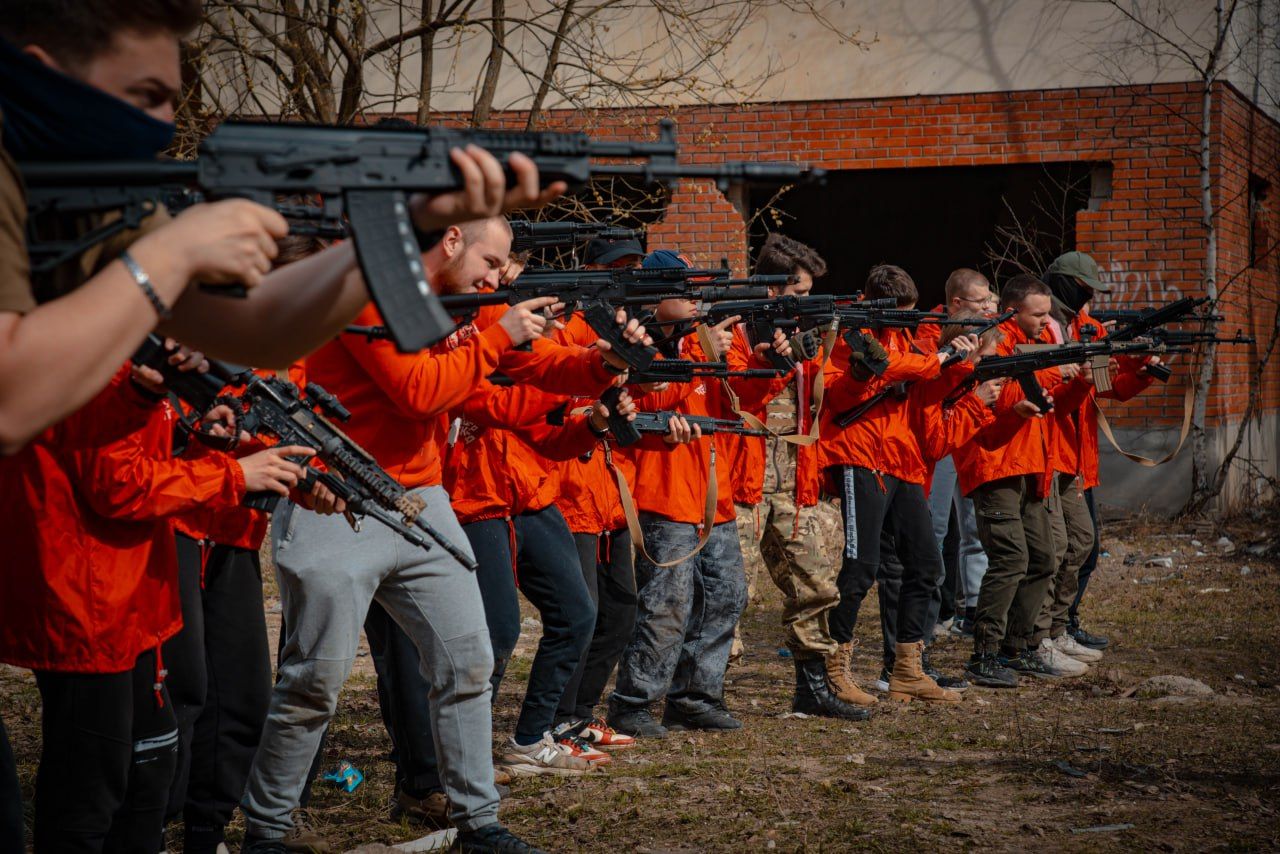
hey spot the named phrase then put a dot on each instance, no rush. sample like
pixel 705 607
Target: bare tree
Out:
pixel 1158 32
pixel 330 61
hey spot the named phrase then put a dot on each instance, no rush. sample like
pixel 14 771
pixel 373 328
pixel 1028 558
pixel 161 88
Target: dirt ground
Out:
pixel 1066 765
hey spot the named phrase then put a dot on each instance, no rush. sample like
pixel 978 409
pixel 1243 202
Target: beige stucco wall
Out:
pixel 904 47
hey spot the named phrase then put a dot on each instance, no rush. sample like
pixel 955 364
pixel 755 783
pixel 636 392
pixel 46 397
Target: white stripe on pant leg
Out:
pixel 850 516
pixel 169 739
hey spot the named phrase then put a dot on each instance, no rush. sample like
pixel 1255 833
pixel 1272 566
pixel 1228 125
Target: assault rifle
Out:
pixel 844 419
pixel 1022 366
pixel 628 432
pixel 363 175
pixel 684 371
pixel 276 407
pixel 1126 316
pixel 598 294
pixel 527 235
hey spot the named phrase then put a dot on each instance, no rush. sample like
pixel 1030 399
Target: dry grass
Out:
pixel 991 773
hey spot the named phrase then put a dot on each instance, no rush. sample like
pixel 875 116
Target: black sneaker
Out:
pixel 1029 663
pixel 954 683
pixel 257 845
pixel 492 839
pixel 713 720
pixel 1086 638
pixel 638 723
pixel 986 670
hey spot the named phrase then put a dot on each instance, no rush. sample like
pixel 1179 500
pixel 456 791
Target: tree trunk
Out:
pixel 553 61
pixel 484 101
pixel 1201 467
pixel 427 45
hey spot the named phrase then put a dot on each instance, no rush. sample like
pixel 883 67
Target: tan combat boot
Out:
pixel 908 681
pixel 841 679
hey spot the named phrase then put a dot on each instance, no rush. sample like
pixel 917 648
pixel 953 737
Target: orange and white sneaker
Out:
pixel 599 734
pixel 580 747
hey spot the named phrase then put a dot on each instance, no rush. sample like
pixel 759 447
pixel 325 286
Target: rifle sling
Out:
pixel 1188 401
pixel 819 393
pixel 633 518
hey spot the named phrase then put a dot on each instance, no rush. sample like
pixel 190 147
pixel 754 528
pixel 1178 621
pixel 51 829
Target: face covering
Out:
pixel 1068 292
pixel 50 116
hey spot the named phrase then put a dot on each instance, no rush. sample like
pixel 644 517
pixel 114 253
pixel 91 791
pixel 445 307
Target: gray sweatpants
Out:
pixel 973 558
pixel 328 575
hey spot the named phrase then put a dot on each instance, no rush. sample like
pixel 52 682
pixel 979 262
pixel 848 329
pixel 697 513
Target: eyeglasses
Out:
pixel 980 300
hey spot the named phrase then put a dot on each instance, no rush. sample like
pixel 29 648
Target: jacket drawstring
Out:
pixel 161 673
pixel 511 535
pixel 206 550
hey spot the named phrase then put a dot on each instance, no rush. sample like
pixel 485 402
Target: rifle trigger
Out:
pixel 353 520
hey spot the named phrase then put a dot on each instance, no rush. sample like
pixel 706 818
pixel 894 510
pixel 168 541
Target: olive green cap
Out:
pixel 1082 267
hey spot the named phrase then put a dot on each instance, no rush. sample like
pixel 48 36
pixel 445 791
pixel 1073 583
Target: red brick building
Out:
pixel 925 181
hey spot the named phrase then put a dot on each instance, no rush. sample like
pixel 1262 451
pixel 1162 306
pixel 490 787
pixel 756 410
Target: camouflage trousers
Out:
pixel 798 546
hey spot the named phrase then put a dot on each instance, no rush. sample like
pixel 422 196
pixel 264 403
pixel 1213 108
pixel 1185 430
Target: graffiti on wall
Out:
pixel 1135 288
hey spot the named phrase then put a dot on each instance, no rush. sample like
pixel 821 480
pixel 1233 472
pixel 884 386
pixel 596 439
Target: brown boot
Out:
pixel 841 678
pixel 908 680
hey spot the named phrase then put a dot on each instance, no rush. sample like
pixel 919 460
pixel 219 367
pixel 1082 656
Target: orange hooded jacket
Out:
pixel 92 572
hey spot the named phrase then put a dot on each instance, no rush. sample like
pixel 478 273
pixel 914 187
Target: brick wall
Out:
pixel 1147 236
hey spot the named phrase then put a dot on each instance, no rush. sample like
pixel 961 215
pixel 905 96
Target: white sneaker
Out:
pixel 1069 645
pixel 1058 660
pixel 546 756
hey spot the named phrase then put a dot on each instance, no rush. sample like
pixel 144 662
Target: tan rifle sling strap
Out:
pixel 1188 403
pixel 1100 367
pixel 819 391
pixel 633 517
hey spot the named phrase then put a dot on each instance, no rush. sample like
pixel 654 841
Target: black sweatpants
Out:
pixel 221 684
pixel 872 502
pixel 607 562
pixel 110 747
pixel 10 797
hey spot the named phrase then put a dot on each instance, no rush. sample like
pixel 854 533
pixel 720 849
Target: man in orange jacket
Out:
pixel 1073 279
pixel 1013 488
pixel 689 553
pixel 782 527
pixel 879 467
pixel 329 574
pixel 592 507
pixel 95 614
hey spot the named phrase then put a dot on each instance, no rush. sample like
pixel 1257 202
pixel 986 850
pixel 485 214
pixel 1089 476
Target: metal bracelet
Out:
pixel 144 283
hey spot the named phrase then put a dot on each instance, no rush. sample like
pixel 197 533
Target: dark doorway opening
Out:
pixel 931 221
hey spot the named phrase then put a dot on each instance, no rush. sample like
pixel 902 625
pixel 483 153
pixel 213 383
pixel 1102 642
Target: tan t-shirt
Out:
pixel 15 267
pixel 18 291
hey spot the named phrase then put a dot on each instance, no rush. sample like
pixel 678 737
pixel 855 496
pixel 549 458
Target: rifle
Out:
pixel 276 407
pixel 684 371
pixel 627 433
pixel 844 419
pixel 1022 366
pixel 362 174
pixel 599 293
pixel 1131 315
pixel 527 235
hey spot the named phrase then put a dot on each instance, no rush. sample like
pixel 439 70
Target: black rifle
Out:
pixel 1132 315
pixel 684 371
pixel 1022 366
pixel 364 176
pixel 276 407
pixel 599 293
pixel 598 303
pixel 527 235
pixel 844 419
pixel 628 432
